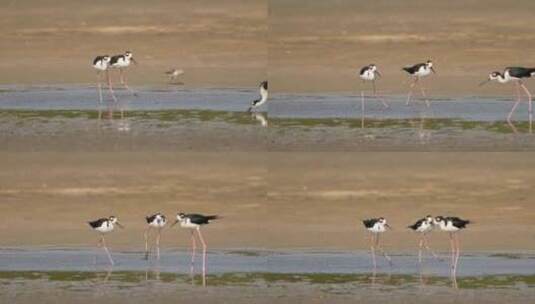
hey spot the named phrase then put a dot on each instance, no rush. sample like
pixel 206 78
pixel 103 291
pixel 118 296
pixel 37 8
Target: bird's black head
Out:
pixel 264 84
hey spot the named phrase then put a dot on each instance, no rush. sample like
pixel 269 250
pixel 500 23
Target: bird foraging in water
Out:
pixel 418 71
pixel 194 222
pixel 424 226
pixel 377 226
pixel 104 226
pixel 173 74
pixel 371 73
pixel 263 96
pixel 452 225
pixel 102 64
pixel 515 74
pixel 122 62
pixel 156 221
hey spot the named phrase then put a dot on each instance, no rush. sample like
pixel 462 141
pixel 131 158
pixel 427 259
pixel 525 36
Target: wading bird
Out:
pixel 103 226
pixel 173 74
pixel 122 62
pixel 417 71
pixel 377 226
pixel 101 64
pixel 452 225
pixel 156 221
pixel 515 74
pixel 371 73
pixel 194 222
pixel 424 226
pixel 263 96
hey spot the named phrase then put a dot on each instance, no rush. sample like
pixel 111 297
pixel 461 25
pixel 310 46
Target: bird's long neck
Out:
pixel 502 78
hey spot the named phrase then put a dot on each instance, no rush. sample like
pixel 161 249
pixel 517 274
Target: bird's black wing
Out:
pixel 458 222
pixel 264 84
pixel 520 72
pixel 97 223
pixel 369 223
pixel 200 219
pixel 417 224
pixel 363 70
pixel 116 58
pixel 413 69
pixel 151 218
pixel 97 59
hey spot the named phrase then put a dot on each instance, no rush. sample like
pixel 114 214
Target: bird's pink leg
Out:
pixel 158 243
pixel 420 248
pixel 411 89
pixel 385 105
pixel 517 84
pixel 530 107
pixel 362 108
pixel 458 252
pixel 124 82
pixel 203 257
pixel 99 87
pixel 110 86
pixel 193 248
pixel 429 248
pixel 424 95
pixel 107 251
pixel 372 246
pixel 452 245
pixel 146 235
pixel 378 246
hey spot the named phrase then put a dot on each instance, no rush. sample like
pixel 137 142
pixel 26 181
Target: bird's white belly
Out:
pixel 449 228
pixel 104 228
pixel 368 75
pixel 100 66
pixel 121 64
pixel 377 229
pixel 189 225
pixel 424 228
pixel 157 224
pixel 423 72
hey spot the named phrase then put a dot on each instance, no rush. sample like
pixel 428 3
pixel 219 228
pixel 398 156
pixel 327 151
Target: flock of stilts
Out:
pixel 370 73
pixel 375 226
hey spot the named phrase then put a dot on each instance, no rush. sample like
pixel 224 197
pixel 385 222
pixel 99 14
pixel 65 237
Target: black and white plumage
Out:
pixel 377 226
pixel 424 226
pixel 371 73
pixel 417 71
pixel 102 64
pixel 263 96
pixel 516 74
pixel 122 62
pixel 156 221
pixel 104 226
pixel 193 222
pixel 452 225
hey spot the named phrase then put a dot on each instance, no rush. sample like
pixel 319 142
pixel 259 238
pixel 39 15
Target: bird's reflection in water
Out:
pixel 113 116
pixel 424 135
pixel 381 279
pixel 153 272
pixel 261 118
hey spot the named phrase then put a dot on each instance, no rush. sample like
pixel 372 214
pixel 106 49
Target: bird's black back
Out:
pixel 97 59
pixel 369 223
pixel 200 219
pixel 115 59
pixel 520 72
pixel 417 224
pixel 151 218
pixel 457 222
pixel 363 70
pixel 413 69
pixel 97 223
pixel 264 84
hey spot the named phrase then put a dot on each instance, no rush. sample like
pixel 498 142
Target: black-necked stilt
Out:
pixel 122 62
pixel 417 71
pixel 103 226
pixel 371 73
pixel 156 221
pixel 376 226
pixel 452 225
pixel 515 74
pixel 173 74
pixel 101 64
pixel 424 226
pixel 194 222
pixel 263 96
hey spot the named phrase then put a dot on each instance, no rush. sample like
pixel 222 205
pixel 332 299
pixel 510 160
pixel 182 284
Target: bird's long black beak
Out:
pixel 433 70
pixel 388 226
pixel 173 224
pixel 484 82
pixel 133 60
pixel 120 225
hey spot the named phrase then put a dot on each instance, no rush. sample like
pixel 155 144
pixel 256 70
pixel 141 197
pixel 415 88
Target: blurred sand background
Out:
pixel 303 45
